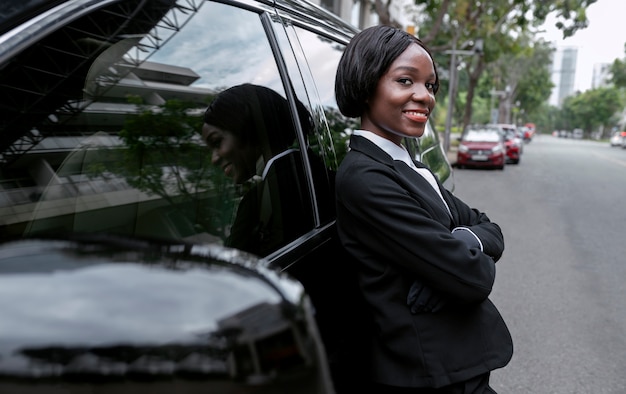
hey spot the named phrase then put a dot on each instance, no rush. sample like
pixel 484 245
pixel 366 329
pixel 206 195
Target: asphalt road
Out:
pixel 561 283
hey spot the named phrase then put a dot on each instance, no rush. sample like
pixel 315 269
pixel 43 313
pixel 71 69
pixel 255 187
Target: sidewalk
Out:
pixel 453 148
pixel 452 155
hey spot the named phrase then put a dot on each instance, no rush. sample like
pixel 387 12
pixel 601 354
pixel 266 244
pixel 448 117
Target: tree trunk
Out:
pixel 474 75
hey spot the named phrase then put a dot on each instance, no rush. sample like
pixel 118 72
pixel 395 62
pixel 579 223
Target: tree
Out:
pixel 161 154
pixel 618 72
pixel 527 76
pixel 535 85
pixel 453 23
pixel 592 109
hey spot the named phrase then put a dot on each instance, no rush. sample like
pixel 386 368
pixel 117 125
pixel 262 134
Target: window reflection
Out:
pixel 124 154
pixel 106 318
pixel 251 138
pixel 323 57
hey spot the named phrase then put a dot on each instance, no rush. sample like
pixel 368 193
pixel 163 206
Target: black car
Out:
pixel 129 260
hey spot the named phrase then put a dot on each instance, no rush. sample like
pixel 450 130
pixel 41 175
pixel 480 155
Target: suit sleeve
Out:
pixel 489 233
pixel 381 223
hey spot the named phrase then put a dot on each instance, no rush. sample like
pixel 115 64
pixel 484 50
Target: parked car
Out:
pixel 617 138
pixel 481 146
pixel 514 144
pixel 513 141
pixel 529 132
pixel 119 267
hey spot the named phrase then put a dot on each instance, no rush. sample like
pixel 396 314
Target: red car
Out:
pixel 529 132
pixel 514 144
pixel 513 141
pixel 481 147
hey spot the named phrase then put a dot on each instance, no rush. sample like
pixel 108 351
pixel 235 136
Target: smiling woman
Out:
pixel 425 260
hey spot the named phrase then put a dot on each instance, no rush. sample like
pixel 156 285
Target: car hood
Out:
pixel 77 308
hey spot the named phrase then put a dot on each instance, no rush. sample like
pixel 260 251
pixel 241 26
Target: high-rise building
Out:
pixel 563 74
pixel 601 74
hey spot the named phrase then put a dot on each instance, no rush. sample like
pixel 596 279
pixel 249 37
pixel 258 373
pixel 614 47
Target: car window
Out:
pixel 482 136
pixel 322 59
pixel 295 43
pixel 428 150
pixel 103 121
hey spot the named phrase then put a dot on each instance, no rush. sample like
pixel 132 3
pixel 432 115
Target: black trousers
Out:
pixel 477 385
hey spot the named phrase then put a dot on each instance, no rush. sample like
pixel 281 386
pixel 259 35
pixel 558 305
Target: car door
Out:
pixel 103 104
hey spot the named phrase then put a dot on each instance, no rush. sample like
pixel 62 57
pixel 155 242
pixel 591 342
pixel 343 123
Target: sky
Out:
pixel 601 42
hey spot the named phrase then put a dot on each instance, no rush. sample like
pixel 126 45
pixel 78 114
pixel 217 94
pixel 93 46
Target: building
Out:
pixel 563 74
pixel 601 75
pixel 361 13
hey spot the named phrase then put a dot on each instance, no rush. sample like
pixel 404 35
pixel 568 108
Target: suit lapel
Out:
pixel 414 182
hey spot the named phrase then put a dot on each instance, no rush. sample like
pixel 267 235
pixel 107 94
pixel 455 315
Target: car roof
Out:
pixel 15 12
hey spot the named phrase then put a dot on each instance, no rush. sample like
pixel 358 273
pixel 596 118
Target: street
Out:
pixel 560 284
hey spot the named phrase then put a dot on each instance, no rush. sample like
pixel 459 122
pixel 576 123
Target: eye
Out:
pixel 213 142
pixel 432 86
pixel 404 81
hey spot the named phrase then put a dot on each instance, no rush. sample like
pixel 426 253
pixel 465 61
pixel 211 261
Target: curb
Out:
pixel 451 154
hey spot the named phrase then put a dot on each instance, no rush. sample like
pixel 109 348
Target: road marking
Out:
pixel 612 160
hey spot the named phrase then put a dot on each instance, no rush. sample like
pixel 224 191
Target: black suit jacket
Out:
pixel 395 225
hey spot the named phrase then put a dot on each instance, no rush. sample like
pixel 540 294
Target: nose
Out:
pixel 421 93
pixel 215 157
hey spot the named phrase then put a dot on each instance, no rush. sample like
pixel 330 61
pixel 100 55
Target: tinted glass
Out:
pixel 482 136
pixel 322 57
pixel 102 121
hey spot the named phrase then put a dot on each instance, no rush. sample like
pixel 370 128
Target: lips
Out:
pixel 228 169
pixel 417 116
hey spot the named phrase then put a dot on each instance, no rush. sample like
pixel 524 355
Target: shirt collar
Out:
pixel 397 152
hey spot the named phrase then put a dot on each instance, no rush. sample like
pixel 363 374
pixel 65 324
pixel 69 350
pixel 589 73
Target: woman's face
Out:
pixel 404 97
pixel 235 157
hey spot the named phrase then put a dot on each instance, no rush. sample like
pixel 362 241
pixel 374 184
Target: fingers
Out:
pixel 423 299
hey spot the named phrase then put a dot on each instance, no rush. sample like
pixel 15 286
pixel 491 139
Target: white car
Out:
pixel 617 138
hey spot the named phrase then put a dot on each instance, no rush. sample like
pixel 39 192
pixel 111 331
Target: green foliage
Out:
pixel 535 84
pixel 162 154
pixel 511 54
pixel 339 127
pixel 618 73
pixel 591 109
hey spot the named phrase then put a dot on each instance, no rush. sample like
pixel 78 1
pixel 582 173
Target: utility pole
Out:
pixel 452 83
pixel 495 113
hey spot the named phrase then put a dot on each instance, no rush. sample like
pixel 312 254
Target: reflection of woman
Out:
pixel 250 134
pixel 244 127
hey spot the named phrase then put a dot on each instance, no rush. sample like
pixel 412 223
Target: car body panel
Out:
pixel 513 142
pixel 481 147
pixel 617 138
pixel 151 316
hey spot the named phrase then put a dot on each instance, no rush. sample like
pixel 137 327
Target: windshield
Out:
pixel 481 136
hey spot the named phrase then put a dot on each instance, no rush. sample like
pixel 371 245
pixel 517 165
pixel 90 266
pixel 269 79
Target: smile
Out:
pixel 416 116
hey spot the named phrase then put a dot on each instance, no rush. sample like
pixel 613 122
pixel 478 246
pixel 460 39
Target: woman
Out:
pixel 250 134
pixel 426 259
